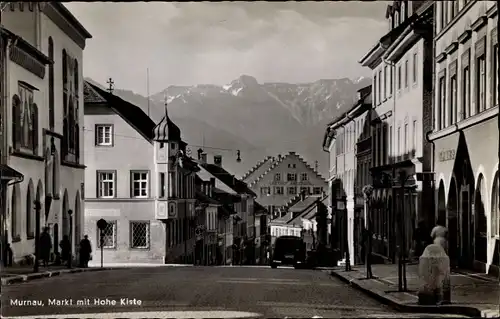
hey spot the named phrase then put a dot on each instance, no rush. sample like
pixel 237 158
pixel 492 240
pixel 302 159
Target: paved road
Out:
pixel 260 291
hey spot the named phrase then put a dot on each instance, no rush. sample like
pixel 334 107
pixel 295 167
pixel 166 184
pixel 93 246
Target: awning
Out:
pixel 7 174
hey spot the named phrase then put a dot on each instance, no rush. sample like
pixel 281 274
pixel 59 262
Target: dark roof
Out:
pixel 8 173
pixel 304 204
pixel 132 113
pixel 205 199
pixel 166 130
pixel 259 207
pixel 224 196
pixel 230 180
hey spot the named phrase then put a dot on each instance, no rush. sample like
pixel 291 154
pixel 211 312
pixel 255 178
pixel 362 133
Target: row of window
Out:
pixel 280 190
pixel 285 231
pixel 383 80
pixel 291 177
pixel 399 16
pixel 139 235
pixel 349 135
pixel 448 10
pixel 140 185
pixel 472 74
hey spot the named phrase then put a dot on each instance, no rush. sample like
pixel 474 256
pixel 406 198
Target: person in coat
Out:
pixel 45 246
pixel 85 251
pixel 65 245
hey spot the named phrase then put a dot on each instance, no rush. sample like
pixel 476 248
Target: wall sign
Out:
pixel 447 155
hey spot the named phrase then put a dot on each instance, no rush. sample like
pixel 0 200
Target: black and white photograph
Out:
pixel 250 159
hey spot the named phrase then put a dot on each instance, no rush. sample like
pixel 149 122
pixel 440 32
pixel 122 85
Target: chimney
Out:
pixel 203 158
pixel 218 160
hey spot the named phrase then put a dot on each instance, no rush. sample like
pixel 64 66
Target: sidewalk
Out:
pixel 12 275
pixel 474 295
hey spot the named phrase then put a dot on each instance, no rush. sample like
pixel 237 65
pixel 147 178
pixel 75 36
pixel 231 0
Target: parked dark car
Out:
pixel 288 250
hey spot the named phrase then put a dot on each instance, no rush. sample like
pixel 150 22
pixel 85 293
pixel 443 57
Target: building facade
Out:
pixel 348 172
pixel 120 188
pixel 276 180
pixel 465 134
pixel 42 117
pixel 401 62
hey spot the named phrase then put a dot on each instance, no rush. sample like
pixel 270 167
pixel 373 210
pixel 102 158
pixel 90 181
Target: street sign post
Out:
pixel 102 224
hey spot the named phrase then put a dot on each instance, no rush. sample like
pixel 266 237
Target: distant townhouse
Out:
pixel 41 123
pixel 401 62
pixel 214 227
pixel 276 180
pixel 301 221
pixel 465 134
pixel 245 240
pixel 348 139
pixel 147 200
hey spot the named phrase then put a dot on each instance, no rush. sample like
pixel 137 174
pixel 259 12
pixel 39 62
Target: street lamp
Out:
pixel 342 205
pixel 70 214
pixel 367 193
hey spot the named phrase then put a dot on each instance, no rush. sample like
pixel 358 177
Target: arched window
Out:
pixel 14 209
pixel 34 132
pixel 495 208
pixel 65 69
pixel 30 229
pixel 76 74
pixel 16 122
pixel 51 85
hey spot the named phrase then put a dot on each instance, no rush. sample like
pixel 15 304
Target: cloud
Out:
pixel 195 43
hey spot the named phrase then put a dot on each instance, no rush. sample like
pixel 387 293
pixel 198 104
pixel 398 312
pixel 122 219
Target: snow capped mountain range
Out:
pixel 259 119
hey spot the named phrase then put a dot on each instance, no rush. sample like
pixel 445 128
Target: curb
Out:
pixel 391 302
pixel 47 274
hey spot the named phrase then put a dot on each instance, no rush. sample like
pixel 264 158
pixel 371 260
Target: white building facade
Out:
pixel 465 133
pixel 43 122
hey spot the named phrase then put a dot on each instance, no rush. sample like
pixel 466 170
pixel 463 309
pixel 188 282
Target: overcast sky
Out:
pixel 214 43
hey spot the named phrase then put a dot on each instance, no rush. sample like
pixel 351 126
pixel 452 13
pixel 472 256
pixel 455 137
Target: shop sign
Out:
pixel 446 155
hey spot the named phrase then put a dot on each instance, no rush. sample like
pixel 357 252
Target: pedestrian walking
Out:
pixel 85 252
pixel 65 245
pixel 45 246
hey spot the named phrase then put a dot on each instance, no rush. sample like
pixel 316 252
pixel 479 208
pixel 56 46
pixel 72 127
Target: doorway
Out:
pixel 466 229
pixel 455 238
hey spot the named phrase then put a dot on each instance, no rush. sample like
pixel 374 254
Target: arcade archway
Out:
pixel 481 242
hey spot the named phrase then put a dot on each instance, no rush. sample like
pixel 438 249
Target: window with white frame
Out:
pixel 291 177
pixel 292 190
pixel 278 190
pixel 104 135
pixel 140 184
pixel 106 184
pixel 109 235
pixel 480 84
pixel 277 177
pixel 139 234
pixel 406 73
pixel 303 177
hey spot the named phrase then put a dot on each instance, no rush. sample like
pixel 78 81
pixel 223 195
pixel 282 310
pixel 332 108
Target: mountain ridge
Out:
pixel 259 119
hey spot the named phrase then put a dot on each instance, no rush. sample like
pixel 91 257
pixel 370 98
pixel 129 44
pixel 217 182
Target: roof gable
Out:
pixel 131 113
pixel 291 157
pixel 258 169
pixel 205 175
pixel 228 179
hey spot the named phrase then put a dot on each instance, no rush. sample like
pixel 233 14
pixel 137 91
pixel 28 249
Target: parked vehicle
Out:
pixel 288 250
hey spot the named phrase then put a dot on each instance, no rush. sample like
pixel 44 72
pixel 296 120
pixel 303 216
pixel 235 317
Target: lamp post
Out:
pixel 402 282
pixel 367 193
pixel 70 257
pixel 342 205
pixel 102 224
